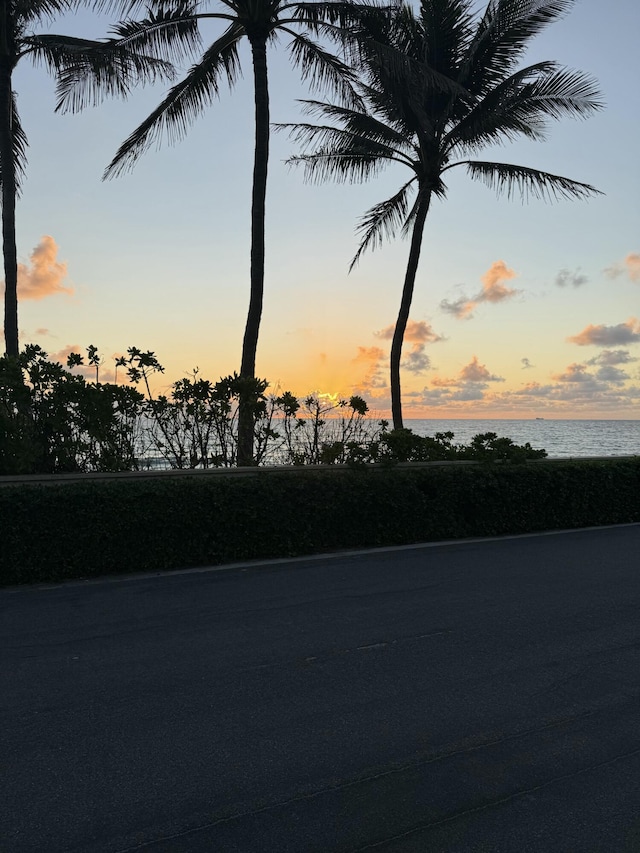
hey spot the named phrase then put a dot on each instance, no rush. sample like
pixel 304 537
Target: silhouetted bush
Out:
pixel 55 421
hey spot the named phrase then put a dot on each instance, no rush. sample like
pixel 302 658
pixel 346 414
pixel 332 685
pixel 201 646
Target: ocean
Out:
pixel 560 438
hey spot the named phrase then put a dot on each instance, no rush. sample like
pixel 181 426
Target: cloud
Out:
pixel 573 373
pixel 419 333
pixel 43 275
pixel 42 333
pixel 461 309
pixel 476 372
pixel 565 277
pixel 630 266
pixel 368 354
pixel 416 332
pixel 612 356
pixel 632 262
pixel 605 336
pixel 417 361
pixel 612 375
pixel 598 385
pixel 526 364
pixel 473 373
pixel 371 358
pixel 493 290
pixel 65 352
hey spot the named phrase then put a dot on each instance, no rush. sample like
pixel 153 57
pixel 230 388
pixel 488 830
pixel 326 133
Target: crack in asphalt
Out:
pixel 498 802
pixel 339 786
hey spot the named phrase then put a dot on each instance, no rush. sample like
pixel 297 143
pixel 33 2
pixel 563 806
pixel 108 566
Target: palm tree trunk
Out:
pixel 405 307
pixel 260 163
pixel 9 250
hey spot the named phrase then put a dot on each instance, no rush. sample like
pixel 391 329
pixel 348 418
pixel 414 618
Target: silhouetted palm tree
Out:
pixel 439 85
pixel 260 21
pixel 84 69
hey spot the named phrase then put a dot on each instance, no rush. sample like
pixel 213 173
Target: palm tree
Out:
pixel 439 85
pixel 85 70
pixel 170 28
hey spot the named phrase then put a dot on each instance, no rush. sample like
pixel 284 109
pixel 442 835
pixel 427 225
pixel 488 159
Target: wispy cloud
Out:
pixel 567 277
pixel 493 290
pixel 43 275
pixel 526 364
pixel 630 265
pixel 367 354
pixel 372 359
pixel 606 336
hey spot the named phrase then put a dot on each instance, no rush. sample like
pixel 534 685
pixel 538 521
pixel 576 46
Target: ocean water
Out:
pixel 560 438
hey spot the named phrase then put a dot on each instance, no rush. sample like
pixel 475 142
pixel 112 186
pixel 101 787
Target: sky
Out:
pixel 519 311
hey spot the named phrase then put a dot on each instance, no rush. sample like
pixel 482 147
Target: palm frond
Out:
pixel 19 144
pixel 564 92
pixel 185 102
pixel 524 104
pixel 500 115
pixel 124 8
pixel 445 30
pixel 338 15
pixel 386 61
pixel 508 179
pixel 502 36
pixel 340 141
pixel 88 70
pixel 322 69
pixel 334 164
pixel 383 221
pixel 360 123
pixel 169 33
pixel 398 82
pixel 31 11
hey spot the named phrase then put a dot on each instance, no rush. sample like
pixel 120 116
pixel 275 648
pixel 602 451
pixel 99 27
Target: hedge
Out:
pixel 58 531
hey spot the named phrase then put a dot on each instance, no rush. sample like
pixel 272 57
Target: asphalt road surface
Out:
pixel 482 696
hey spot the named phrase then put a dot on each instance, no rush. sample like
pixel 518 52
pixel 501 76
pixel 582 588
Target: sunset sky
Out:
pixel 519 311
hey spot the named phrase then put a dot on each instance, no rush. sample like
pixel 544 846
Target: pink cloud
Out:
pixel 476 372
pixel 43 275
pixel 371 358
pixel 606 336
pixel 473 373
pixel 417 331
pixel 368 354
pixel 493 290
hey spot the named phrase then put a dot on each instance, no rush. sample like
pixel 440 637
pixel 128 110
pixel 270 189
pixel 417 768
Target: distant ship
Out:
pixel 539 419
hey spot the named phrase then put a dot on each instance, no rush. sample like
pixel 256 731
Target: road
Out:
pixel 467 697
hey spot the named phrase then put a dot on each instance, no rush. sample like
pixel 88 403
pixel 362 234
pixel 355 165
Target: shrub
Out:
pixel 157 522
pixel 55 421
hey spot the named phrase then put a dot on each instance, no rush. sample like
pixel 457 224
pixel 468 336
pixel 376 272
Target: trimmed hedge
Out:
pixel 69 530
